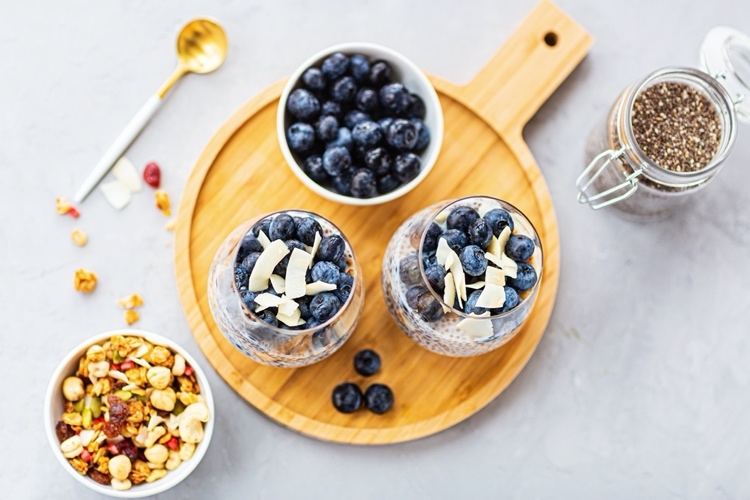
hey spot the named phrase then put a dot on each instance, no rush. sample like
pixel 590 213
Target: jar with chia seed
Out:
pixel 667 135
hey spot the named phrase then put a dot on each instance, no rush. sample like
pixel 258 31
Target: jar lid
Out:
pixel 725 54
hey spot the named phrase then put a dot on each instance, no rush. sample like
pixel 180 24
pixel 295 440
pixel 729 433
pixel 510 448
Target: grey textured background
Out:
pixel 639 387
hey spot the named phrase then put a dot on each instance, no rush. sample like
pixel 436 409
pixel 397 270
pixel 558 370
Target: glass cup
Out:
pixel 450 331
pixel 279 346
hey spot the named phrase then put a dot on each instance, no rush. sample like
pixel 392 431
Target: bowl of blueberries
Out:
pixel 360 124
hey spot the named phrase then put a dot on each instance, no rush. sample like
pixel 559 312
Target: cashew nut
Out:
pixel 191 430
pixel 157 454
pixel 155 475
pixel 119 467
pixel 197 410
pixel 71 447
pixel 154 435
pixel 99 369
pixel 121 485
pixel 186 451
pixel 173 461
pixel 163 399
pixel 73 388
pixel 178 369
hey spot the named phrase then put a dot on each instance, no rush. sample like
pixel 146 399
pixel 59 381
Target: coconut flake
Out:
pixel 475 286
pixel 265 265
pixel 296 271
pixel 125 172
pixel 263 239
pixel 509 266
pixel 442 216
pixel 118 375
pixel 443 252
pixel 86 435
pixel 314 249
pixel 287 306
pixel 478 327
pixel 449 293
pixel 495 276
pixel 266 300
pixel 498 261
pixel 458 276
pixel 492 297
pixel 502 240
pixel 317 287
pixel 291 319
pixel 116 194
pixel 278 283
pixel 139 361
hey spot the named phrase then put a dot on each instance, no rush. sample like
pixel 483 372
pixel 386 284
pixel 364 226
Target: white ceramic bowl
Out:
pixel 55 402
pixel 405 72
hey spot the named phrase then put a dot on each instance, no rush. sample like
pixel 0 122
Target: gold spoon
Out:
pixel 201 48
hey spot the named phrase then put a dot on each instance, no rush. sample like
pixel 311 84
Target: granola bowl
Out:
pixel 144 435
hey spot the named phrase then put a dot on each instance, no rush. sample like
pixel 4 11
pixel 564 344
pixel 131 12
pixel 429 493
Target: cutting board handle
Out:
pixel 531 64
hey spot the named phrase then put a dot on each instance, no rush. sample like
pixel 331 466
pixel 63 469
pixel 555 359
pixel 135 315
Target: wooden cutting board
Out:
pixel 241 173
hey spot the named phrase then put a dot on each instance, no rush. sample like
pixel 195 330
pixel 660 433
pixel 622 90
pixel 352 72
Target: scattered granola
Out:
pixel 152 174
pixel 120 409
pixel 63 207
pixel 170 225
pixel 79 237
pixel 131 316
pixel 131 302
pixel 84 281
pixel 162 202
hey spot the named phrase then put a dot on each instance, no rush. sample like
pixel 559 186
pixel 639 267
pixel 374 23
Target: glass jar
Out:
pixel 279 346
pixel 620 174
pixel 442 333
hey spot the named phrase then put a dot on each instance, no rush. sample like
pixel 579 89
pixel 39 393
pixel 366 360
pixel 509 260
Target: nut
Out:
pixel 157 454
pixel 186 451
pixel 173 461
pixel 131 316
pixel 123 485
pixel 159 377
pixel 162 202
pixel 99 369
pixel 153 436
pixel 178 369
pixel 155 475
pixel 119 467
pixel 79 237
pixel 71 447
pixel 73 388
pixel 163 399
pixel 84 281
pixel 191 430
pixel 198 411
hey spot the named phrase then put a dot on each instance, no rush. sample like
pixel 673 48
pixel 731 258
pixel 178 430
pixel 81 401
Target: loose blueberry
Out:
pixel 413 294
pixel 380 73
pixel 248 299
pixel 367 362
pixel 344 286
pixel 470 307
pixel 511 299
pixel 248 245
pixel 306 229
pixel 394 98
pixel 408 270
pixel 461 218
pixel 359 66
pixel 342 182
pixel 429 308
pixel 303 105
pixel 268 317
pixel 327 128
pixel 431 237
pixel 300 137
pixel 416 107
pixel 473 260
pixel 378 398
pixel 499 219
pixel 283 227
pixel 387 183
pixel 423 134
pixel 344 90
pixel 331 248
pixel 313 79
pixel 324 305
pixel 313 167
pixel 456 239
pixel 480 233
pixel 264 225
pixel 304 307
pixel 379 161
pixel 402 135
pixel 519 247
pixel 406 167
pixel 331 108
pixel 249 262
pixel 354 117
pixel 367 134
pixel 343 139
pixel 325 271
pixel 435 277
pixel 240 277
pixel 347 397
pixel 367 100
pixel 334 66
pixel 336 160
pixel 363 184
pixel 342 264
pixel 525 277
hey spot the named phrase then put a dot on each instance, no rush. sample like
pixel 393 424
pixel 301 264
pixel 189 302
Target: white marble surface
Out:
pixel 639 389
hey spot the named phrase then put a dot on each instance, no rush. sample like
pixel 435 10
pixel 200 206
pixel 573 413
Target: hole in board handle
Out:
pixel 550 38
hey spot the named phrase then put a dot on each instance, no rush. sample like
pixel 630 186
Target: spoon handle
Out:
pixel 118 148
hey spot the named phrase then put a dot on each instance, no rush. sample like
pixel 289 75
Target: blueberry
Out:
pixel 325 271
pixel 456 239
pixel 511 299
pixel 385 123
pixel 413 294
pixel 248 245
pixel 344 286
pixel 360 67
pixel 283 227
pixel 342 264
pixel 334 66
pixel 435 277
pixel 313 79
pixel 480 233
pixel 264 225
pixel 331 248
pixel 319 336
pixel 416 107
pixel 525 277
pixel 470 307
pixel 240 277
pixel 378 398
pixel 402 135
pixel 347 397
pixel 408 270
pixel 473 260
pixel 423 134
pixel 344 90
pixel 367 134
pixel 343 139
pixel 336 159
pixel 387 183
pixel 366 100
pixel 367 362
pixel 327 128
pixel 304 307
pixel 268 317
pixel 342 182
pixel 429 259
pixel 499 219
pixel 406 167
pixel 300 137
pixel 313 167
pixel 354 117
pixel 280 268
pixel 394 98
pixel 248 299
pixel 306 229
pixel 461 218
pixel 303 105
pixel 324 305
pixel 363 184
pixel 380 73
pixel 429 308
pixel 379 161
pixel 331 108
pixel 431 237
pixel 249 262
pixel 519 247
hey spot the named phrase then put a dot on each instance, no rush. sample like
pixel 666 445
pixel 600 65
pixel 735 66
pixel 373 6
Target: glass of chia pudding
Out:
pixel 286 289
pixel 460 277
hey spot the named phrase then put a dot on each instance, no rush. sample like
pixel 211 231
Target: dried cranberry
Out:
pixel 128 449
pixel 73 212
pixel 99 477
pixel 173 444
pixel 112 429
pixel 188 370
pixel 64 431
pixel 152 175
pixel 127 365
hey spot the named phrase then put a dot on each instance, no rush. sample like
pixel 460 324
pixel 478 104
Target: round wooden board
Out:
pixel 242 173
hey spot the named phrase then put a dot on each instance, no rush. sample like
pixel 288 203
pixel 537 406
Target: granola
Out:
pixel 84 281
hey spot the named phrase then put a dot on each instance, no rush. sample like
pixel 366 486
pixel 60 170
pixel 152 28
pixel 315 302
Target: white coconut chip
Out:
pixel 116 194
pixel 495 276
pixel 266 300
pixel 475 286
pixel 287 306
pixel 265 265
pixel 125 172
pixel 443 252
pixel 449 292
pixel 492 297
pixel 317 287
pixel 510 268
pixel 291 319
pixel 478 327
pixel 296 271
pixel 263 239
pixel 278 283
pixel 314 249
pixel 442 216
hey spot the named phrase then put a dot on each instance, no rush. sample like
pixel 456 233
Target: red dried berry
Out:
pixel 73 212
pixel 127 365
pixel 85 455
pixel 118 410
pixel 99 477
pixel 128 449
pixel 152 175
pixel 63 431
pixel 112 429
pixel 188 370
pixel 173 444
